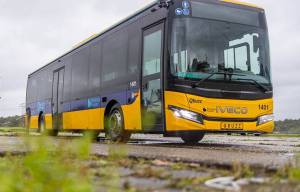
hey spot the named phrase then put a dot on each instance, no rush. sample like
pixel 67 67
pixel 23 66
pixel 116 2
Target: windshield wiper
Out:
pixel 259 85
pixel 217 73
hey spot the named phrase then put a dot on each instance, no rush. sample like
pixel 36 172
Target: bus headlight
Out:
pixel 265 119
pixel 186 114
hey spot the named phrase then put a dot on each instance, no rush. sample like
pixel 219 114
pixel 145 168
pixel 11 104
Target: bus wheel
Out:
pixel 27 126
pixel 114 129
pixel 191 138
pixel 41 128
pixel 52 133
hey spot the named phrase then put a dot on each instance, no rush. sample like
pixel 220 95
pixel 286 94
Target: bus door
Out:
pixel 57 98
pixel 151 78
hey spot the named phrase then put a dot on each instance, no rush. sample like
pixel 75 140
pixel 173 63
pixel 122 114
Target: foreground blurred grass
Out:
pixel 11 129
pixel 48 167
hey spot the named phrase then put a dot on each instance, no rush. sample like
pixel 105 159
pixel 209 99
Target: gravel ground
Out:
pixel 218 163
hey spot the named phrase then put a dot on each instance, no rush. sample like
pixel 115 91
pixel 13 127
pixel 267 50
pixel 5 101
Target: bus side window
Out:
pixel 95 68
pixel 134 49
pixel 80 74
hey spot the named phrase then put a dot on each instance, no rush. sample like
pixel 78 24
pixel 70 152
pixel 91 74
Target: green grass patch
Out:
pixel 52 165
pixel 11 129
pixel 283 135
pixel 48 167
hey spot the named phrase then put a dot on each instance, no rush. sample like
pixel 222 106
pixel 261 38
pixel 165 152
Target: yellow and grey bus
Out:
pixel 179 68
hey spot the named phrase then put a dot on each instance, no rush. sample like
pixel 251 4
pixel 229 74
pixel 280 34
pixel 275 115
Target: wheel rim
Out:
pixel 42 126
pixel 115 124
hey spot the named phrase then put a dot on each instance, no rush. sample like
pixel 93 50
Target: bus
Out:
pixel 181 68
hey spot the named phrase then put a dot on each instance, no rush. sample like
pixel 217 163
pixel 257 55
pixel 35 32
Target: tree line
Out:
pixel 286 126
pixel 13 121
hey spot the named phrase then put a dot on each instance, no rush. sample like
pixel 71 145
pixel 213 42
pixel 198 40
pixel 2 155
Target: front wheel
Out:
pixel 115 129
pixel 191 138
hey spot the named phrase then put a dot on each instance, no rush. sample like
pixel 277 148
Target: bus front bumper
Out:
pixel 175 122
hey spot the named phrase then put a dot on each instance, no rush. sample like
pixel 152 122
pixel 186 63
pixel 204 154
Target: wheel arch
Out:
pixel 41 114
pixel 109 106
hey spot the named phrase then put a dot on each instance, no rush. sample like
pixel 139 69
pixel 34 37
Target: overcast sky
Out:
pixel 33 32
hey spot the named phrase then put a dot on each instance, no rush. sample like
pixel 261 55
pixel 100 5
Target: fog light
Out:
pixel 265 119
pixel 186 114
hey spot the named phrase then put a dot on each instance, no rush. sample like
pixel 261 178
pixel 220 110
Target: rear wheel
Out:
pixel 192 138
pixel 52 133
pixel 114 129
pixel 42 126
pixel 27 125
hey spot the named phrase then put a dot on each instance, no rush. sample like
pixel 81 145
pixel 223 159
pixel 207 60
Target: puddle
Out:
pixel 188 174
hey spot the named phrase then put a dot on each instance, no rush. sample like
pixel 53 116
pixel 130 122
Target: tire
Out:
pixel 41 125
pixel 192 138
pixel 114 126
pixel 52 133
pixel 42 128
pixel 27 132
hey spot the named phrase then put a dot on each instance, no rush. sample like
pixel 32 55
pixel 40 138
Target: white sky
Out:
pixel 33 32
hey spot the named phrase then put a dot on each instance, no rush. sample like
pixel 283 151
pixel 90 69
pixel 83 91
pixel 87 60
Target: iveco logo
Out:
pixel 232 110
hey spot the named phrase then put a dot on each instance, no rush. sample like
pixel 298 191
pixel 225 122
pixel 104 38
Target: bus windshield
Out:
pixel 202 46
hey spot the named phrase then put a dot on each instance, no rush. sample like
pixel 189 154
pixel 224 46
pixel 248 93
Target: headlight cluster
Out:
pixel 265 119
pixel 185 114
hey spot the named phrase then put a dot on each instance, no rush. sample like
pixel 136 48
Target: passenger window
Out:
pixel 152 53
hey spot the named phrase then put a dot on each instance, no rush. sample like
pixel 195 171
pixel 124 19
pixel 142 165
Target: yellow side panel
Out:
pixel 67 120
pixel 48 121
pixel 132 115
pixel 176 99
pixel 96 119
pixel 80 119
pixel 34 122
pixel 241 3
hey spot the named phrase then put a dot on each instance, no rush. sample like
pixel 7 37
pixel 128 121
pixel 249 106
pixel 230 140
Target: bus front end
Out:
pixel 218 77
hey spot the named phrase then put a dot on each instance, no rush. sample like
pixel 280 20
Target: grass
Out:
pixel 282 135
pixel 290 172
pixel 11 129
pixel 242 170
pixel 63 166
pixel 50 166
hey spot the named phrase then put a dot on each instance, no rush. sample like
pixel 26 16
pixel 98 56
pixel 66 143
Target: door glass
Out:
pixel 54 93
pixel 152 104
pixel 151 92
pixel 60 90
pixel 152 53
pixel 57 98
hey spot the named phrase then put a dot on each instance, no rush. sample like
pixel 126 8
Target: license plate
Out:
pixel 232 126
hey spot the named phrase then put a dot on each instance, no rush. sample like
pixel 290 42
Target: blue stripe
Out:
pixel 124 98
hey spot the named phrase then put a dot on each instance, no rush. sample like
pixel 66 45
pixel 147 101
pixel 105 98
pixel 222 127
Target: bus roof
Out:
pixel 241 3
pixel 148 6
